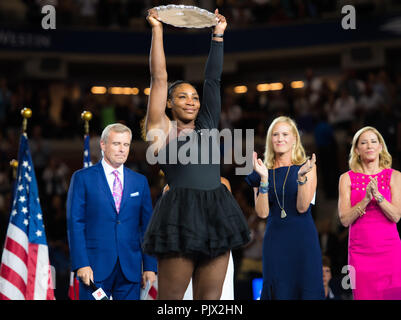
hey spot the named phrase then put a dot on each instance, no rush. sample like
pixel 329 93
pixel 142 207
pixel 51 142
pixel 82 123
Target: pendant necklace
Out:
pixel 283 213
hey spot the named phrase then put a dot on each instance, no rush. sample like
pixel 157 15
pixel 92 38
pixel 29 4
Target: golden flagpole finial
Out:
pixel 86 116
pixel 14 166
pixel 26 114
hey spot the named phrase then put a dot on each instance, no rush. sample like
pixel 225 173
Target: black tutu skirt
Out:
pixel 195 223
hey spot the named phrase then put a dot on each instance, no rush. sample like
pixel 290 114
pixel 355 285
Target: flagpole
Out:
pixel 14 166
pixel 26 114
pixel 25 258
pixel 14 172
pixel 86 116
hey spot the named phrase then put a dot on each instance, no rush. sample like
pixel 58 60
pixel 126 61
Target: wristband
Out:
pixel 264 184
pixel 263 190
pixel 218 35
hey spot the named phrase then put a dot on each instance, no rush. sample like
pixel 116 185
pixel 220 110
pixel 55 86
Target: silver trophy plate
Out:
pixel 186 16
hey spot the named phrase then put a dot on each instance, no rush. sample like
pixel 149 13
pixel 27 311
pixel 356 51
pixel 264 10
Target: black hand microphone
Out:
pixel 97 293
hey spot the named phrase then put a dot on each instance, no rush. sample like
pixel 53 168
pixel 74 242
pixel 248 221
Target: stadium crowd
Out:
pixel 120 14
pixel 328 109
pixel 328 113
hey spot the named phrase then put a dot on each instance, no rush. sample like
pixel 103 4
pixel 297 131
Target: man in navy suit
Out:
pixel 108 209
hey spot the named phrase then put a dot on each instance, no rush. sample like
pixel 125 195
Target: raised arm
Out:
pixel 214 64
pixel 156 117
pixel 209 115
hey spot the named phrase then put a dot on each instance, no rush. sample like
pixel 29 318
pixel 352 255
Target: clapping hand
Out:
pixel 308 166
pixel 369 189
pixel 374 189
pixel 259 166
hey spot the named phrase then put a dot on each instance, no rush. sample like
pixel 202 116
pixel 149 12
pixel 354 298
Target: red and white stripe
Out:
pixel 25 269
pixel 152 295
pixel 73 290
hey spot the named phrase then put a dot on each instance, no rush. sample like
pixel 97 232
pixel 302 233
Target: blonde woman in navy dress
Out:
pixel 284 186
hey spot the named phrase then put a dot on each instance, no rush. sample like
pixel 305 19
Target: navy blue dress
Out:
pixel 292 261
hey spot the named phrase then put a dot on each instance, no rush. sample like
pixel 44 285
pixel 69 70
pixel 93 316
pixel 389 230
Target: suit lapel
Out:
pixel 126 190
pixel 105 186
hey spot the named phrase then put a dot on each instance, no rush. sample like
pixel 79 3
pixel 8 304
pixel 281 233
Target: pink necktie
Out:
pixel 117 190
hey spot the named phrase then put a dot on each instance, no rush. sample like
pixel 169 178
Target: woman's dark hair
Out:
pixel 326 262
pixel 170 92
pixel 172 87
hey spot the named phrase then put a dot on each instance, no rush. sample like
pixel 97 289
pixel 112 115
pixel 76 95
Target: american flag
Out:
pixel 87 155
pixel 73 290
pixel 25 272
pixel 152 295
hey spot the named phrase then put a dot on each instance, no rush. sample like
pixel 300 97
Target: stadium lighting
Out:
pixel 240 89
pixel 276 86
pixel 297 84
pixel 261 87
pixel 98 90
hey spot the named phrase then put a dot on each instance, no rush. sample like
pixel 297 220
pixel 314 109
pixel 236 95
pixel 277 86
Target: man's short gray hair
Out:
pixel 116 127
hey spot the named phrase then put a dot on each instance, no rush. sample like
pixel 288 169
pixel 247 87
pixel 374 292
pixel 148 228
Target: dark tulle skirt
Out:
pixel 196 223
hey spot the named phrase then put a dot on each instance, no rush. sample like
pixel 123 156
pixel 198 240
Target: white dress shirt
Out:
pixel 108 171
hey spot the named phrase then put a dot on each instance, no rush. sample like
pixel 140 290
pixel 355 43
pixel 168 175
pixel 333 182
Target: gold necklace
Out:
pixel 283 213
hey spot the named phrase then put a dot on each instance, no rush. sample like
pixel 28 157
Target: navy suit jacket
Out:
pixel 97 234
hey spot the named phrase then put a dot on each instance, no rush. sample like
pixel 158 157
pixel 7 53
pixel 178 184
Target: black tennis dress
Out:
pixel 198 217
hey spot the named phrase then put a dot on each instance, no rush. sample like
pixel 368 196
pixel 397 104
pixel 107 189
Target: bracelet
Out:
pixel 218 35
pixel 360 211
pixel 263 190
pixel 379 199
pixel 300 183
pixel 264 184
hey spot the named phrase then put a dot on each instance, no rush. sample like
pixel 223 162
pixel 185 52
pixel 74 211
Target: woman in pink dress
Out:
pixel 370 204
